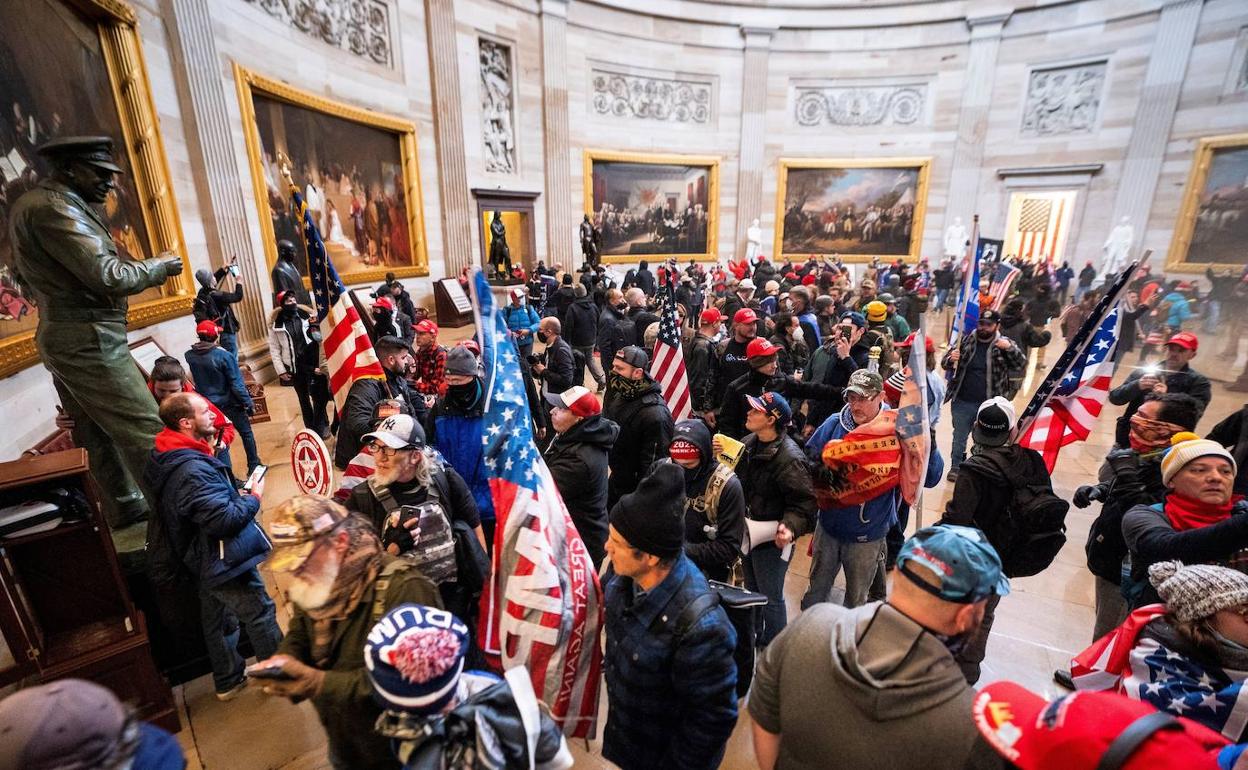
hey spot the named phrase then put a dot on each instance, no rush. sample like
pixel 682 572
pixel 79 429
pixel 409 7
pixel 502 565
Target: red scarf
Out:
pixel 1185 513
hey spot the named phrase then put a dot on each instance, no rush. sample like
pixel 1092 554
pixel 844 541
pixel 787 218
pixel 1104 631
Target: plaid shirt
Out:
pixel 429 377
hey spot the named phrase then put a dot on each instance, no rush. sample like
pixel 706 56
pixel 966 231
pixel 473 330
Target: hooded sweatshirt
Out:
pixel 713 546
pixel 865 688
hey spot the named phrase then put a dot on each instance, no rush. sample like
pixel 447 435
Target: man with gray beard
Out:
pixel 342 583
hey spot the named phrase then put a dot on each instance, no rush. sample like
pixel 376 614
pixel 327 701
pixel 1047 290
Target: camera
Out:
pixel 533 359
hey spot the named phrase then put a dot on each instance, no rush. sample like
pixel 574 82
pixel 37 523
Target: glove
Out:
pixel 1085 494
pixel 1123 461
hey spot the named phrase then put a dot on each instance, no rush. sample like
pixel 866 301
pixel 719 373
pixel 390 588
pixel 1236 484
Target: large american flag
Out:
pixel 349 354
pixel 667 363
pixel 542 608
pixel 1002 283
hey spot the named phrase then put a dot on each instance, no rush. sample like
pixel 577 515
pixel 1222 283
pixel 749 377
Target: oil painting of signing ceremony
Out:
pixel 448 386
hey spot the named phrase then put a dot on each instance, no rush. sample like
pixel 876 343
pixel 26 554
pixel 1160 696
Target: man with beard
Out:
pixel 578 458
pixel 456 425
pixel 884 672
pixel 215 371
pixel 342 583
pixel 357 412
pixel 733 362
pixel 634 402
pixel 295 347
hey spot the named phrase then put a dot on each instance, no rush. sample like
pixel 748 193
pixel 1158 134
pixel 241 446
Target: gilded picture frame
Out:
pixel 1213 217
pixel 896 232
pixel 672 233
pixel 251 86
pixel 121 49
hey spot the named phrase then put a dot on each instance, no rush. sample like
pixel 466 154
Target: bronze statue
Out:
pixel 500 254
pixel 591 240
pixel 285 273
pixel 65 254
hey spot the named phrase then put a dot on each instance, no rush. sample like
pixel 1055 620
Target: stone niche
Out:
pixel 498 106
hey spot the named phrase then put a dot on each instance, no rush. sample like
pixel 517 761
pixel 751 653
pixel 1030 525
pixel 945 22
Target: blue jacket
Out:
pixel 456 433
pixel 217 377
pixel 672 702
pixel 1180 310
pixel 863 523
pixel 208 523
pixel 523 317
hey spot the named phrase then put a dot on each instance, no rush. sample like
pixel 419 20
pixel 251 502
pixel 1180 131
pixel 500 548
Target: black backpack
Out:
pixel 1032 529
pixel 205 307
pixel 740 606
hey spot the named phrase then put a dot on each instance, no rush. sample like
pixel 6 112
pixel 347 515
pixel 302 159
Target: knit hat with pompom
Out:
pixel 414 656
pixel 1185 447
pixel 1199 590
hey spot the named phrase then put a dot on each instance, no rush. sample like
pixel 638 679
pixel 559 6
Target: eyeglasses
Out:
pixel 387 452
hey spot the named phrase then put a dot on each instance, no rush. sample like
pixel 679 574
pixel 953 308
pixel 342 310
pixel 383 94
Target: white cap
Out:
pixel 746 283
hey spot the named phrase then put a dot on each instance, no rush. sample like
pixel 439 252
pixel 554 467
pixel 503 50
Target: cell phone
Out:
pixel 267 671
pixel 255 477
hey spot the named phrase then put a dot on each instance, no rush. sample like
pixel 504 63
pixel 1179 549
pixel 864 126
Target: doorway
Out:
pixel 1038 224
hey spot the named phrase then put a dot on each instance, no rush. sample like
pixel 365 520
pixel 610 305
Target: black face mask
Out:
pixel 464 395
pixel 543 337
pixel 289 310
pixel 955 643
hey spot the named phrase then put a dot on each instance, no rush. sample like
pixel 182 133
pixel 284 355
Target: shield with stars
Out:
pixel 309 460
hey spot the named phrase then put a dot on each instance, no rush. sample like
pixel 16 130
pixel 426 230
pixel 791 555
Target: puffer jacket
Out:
pixel 862 523
pixel 1002 364
pixel 207 522
pixel 775 480
pixel 578 462
pixel 217 377
pixel 455 431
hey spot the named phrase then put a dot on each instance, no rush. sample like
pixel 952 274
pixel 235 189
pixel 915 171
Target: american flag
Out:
pixel 667 364
pixel 542 607
pixel 913 426
pixel 1071 397
pixel 349 354
pixel 1002 283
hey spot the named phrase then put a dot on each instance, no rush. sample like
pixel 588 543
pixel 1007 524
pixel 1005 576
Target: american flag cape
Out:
pixel 1146 670
pixel 542 607
pixel 1072 396
pixel 667 362
pixel 1002 284
pixel 349 353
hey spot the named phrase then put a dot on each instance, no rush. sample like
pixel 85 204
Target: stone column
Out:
pixel 968 152
pixel 1154 115
pixel 561 216
pixel 202 92
pixel 751 163
pixel 458 228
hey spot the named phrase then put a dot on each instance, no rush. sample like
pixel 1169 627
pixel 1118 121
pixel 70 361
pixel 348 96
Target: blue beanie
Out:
pixel 414 656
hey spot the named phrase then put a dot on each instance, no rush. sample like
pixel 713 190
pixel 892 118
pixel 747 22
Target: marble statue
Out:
pixel 955 239
pixel 500 254
pixel 754 241
pixel 1116 249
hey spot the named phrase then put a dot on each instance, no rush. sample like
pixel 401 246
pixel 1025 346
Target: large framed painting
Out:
pixel 357 170
pixel 857 209
pixel 71 68
pixel 653 205
pixel 1213 220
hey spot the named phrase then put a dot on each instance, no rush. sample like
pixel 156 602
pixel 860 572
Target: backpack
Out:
pixel 1032 529
pixel 708 501
pixel 740 606
pixel 204 308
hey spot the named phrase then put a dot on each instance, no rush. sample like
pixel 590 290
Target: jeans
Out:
pixel 941 296
pixel 764 572
pixel 245 597
pixel 242 424
pixel 593 364
pixel 227 341
pixel 1213 309
pixel 972 655
pixel 963 414
pixel 861 561
pixel 1079 292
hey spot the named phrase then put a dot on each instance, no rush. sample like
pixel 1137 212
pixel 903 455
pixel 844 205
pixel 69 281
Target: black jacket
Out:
pixel 716 555
pixel 564 298
pixel 981 494
pixel 580 323
pixel 578 462
pixel 775 480
pixel 1026 336
pixel 644 280
pixel 641 318
pixel 1133 482
pixel 614 332
pixel 560 371
pixel 218 302
pixel 1233 432
pixel 1152 538
pixel 701 367
pixel 732 364
pixel 357 412
pixel 1186 380
pixel 732 411
pixel 645 432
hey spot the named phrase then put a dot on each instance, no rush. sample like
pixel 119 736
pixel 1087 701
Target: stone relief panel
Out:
pixel 860 105
pixel 1063 100
pixel 1237 74
pixel 671 99
pixel 497 107
pixel 361 27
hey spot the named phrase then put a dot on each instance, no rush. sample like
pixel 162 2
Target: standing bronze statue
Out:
pixel 66 256
pixel 591 239
pixel 500 254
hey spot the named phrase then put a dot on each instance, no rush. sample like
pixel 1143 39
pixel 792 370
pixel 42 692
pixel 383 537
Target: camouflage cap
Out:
pixel 865 383
pixel 297 525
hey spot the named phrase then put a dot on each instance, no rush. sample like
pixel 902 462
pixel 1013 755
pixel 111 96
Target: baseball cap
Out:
pixel 711 316
pixel 867 283
pixel 414 656
pixel 993 422
pixel 1079 730
pixel 577 400
pixel 744 316
pixel 876 311
pixel 746 283
pixel 908 342
pixel 865 383
pixel 772 404
pixel 296 526
pixel 887 298
pixel 633 356
pixel 385 302
pixel 990 317
pixel 760 347
pixel 1185 340
pixel 400 431
pixel 518 292
pixel 427 327
pixel 854 317
pixel 967 566
pixel 207 329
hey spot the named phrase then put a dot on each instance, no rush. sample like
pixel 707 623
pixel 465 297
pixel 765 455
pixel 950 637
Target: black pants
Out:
pixel 313 393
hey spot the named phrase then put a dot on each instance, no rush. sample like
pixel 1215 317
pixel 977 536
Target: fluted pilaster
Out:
pixel 561 216
pixel 752 153
pixel 458 227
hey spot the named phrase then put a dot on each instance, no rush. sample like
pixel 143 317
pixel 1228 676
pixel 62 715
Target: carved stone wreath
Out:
pixel 651 98
pixel 361 27
pixel 859 105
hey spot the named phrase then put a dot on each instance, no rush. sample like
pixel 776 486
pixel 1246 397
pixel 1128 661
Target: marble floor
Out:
pixel 1038 627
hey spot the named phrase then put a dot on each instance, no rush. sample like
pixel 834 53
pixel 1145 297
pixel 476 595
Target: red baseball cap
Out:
pixel 1185 340
pixel 1076 731
pixel 711 316
pixel 745 316
pixel 909 342
pixel 760 347
pixel 809 280
pixel 427 327
pixel 577 400
pixel 207 329
pixel 384 302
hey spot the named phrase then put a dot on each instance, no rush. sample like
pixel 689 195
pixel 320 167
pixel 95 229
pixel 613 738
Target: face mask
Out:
pixel 623 386
pixel 622 307
pixel 1234 645
pixel 955 643
pixel 543 337
pixel 465 394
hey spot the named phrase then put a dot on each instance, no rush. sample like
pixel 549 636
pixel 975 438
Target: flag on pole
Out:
pixel 1002 283
pixel 667 361
pixel 349 353
pixel 913 424
pixel 1069 400
pixel 542 607
pixel 966 317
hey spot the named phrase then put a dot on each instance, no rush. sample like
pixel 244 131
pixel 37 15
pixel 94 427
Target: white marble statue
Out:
pixel 955 239
pixel 1116 248
pixel 754 240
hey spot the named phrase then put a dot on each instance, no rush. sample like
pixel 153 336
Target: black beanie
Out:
pixel 651 518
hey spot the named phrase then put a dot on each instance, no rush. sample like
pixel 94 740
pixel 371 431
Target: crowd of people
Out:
pixel 783 361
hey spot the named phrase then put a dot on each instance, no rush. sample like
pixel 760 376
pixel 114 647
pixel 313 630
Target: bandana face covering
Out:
pixel 1147 435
